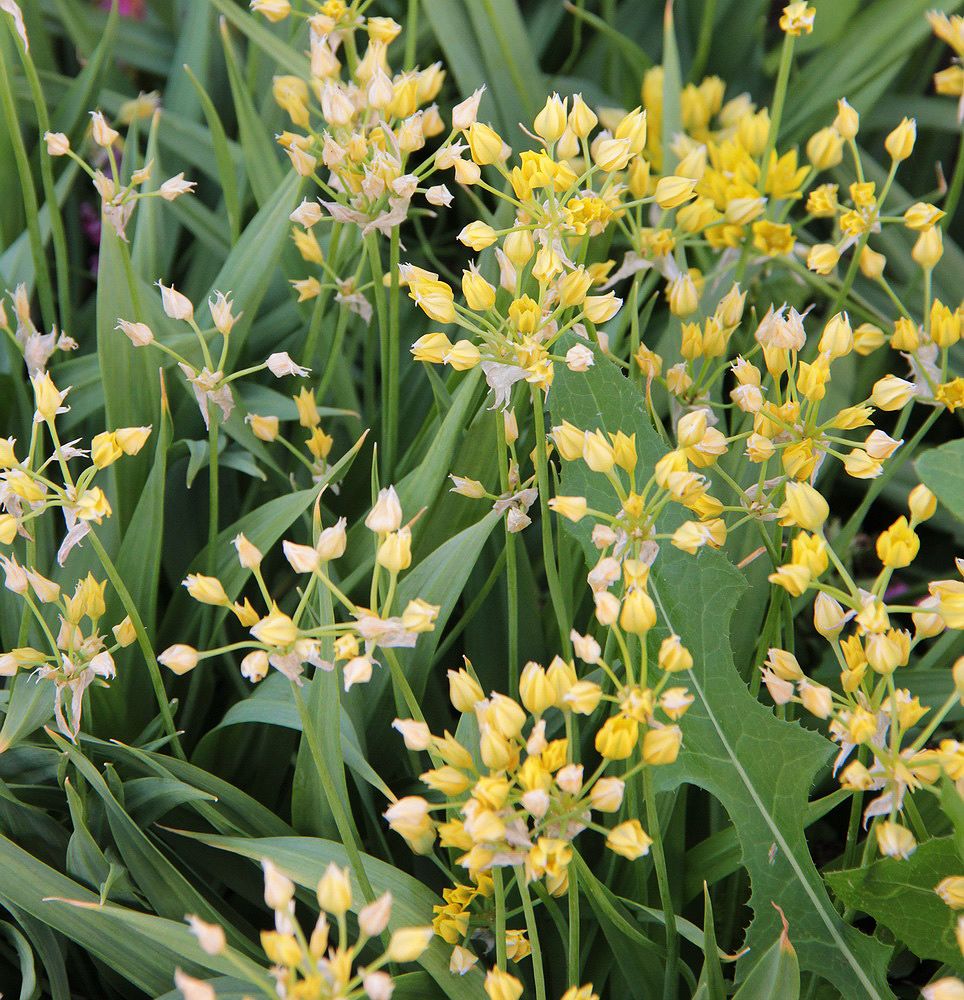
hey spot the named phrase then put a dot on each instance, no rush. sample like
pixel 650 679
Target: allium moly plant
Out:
pixel 481 500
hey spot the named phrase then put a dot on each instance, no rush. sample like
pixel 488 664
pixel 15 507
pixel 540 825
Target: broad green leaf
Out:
pixel 129 380
pixel 777 974
pixel 760 768
pixel 36 888
pixel 486 43
pixel 272 704
pixel 168 891
pixel 31 705
pixel 942 470
pixel 899 894
pixel 304 860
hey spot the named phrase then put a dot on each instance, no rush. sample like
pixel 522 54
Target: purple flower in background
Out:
pixel 127 8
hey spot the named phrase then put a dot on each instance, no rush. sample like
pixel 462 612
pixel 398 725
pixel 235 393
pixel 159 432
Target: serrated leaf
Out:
pixel 760 768
pixel 899 894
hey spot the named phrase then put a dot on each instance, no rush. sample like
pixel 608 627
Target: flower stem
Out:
pixel 662 879
pixel 533 928
pixel 143 641
pixel 548 548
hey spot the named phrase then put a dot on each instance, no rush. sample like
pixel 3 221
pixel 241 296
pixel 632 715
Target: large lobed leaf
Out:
pixel 760 768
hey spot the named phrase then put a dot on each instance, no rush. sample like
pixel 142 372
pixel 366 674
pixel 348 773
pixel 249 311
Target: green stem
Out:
pixel 572 959
pixel 548 548
pixel 670 980
pixel 50 193
pixel 705 40
pixel 346 828
pixel 776 108
pixel 391 391
pixel 384 335
pixel 157 682
pixel 537 971
pixel 498 894
pixel 31 208
pixel 213 499
pixel 511 564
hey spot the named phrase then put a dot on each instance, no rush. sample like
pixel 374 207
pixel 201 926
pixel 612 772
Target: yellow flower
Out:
pixel 823 258
pixel 825 148
pixel 617 737
pixel 772 238
pixel 900 142
pixel 629 840
pixel 500 985
pixel 898 545
pixel 673 191
pixel 661 746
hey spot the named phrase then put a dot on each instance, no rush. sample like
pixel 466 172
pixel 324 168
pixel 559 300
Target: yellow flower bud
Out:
pixel 519 247
pixel 179 658
pixel 847 122
pixel 929 248
pixel 477 235
pixel 395 552
pixel 463 355
pixel 606 795
pixel 573 508
pixel 479 294
pixel 535 690
pixel 485 144
pixel 601 308
pixel 206 589
pixel 550 122
pixel 822 258
pixel 629 840
pixel 638 614
pixel 617 737
pixel 409 944
pixel 582 120
pixel 334 890
pixel 673 191
pixel 661 746
pixel 892 393
pixel 894 840
pixel 105 449
pixel 464 691
pixel 922 503
pixel 900 143
pixel 500 985
pixel 825 148
pixel 275 629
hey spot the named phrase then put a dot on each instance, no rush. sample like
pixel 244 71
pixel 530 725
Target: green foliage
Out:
pixel 764 878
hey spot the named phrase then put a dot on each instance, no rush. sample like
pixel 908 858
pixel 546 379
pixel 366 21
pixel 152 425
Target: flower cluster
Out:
pixel 870 713
pixel 208 380
pixel 119 197
pixel 288 642
pixel 316 966
pixel 37 348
